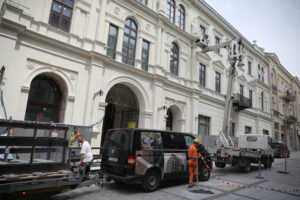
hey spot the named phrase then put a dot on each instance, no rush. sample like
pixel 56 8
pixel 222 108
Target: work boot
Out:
pixel 191 185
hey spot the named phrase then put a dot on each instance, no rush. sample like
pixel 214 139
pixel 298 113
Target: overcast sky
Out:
pixel 275 24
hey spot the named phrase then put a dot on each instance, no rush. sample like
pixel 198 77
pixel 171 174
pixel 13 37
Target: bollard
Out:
pixel 259 164
pixel 285 166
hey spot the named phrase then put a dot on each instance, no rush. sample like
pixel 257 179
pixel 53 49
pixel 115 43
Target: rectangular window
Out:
pixel 250 96
pixel 258 71
pixel 247 130
pixel 143 2
pixel 276 130
pixel 218 82
pixel 145 55
pixel 203 125
pixel 249 67
pixel 202 75
pixel 61 13
pixel 217 41
pixel 232 130
pixel 202 31
pixel 112 41
pixel 265 132
pixel 241 91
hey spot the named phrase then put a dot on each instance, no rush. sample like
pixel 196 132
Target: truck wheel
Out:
pixel 151 181
pixel 204 174
pixel 220 165
pixel 267 163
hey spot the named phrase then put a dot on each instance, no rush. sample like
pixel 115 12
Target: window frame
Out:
pixel 61 14
pixel 218 82
pixel 172 57
pixel 141 1
pixel 206 124
pixel 241 90
pixel 148 52
pixel 251 96
pixel 115 45
pixel 171 10
pixel 130 37
pixel 181 17
pixel 262 101
pixel 249 128
pixel 249 67
pixel 202 71
pixel 217 41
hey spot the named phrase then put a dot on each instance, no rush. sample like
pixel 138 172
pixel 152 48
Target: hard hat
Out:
pixel 197 141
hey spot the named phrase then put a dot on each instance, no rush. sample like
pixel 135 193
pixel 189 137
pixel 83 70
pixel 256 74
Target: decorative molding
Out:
pixel 117 11
pixel 30 65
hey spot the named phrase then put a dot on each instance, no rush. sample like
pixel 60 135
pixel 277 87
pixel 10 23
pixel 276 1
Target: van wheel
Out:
pixel 151 181
pixel 204 174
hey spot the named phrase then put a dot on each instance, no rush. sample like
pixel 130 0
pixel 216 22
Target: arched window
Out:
pixel 44 100
pixel 171 11
pixel 174 59
pixel 181 17
pixel 129 42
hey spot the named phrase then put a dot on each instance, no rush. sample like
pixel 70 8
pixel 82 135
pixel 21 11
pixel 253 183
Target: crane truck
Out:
pixel 252 148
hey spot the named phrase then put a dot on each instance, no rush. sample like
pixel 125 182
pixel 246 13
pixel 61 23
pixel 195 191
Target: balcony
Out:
pixel 241 102
pixel 276 113
pixel 290 119
pixel 288 96
pixel 274 87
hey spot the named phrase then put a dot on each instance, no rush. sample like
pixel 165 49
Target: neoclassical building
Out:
pixel 133 63
pixel 285 103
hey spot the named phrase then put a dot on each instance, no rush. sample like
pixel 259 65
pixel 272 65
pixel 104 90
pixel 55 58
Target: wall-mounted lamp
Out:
pixel 100 93
pixel 164 107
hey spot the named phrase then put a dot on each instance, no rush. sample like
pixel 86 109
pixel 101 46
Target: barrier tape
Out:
pixel 246 186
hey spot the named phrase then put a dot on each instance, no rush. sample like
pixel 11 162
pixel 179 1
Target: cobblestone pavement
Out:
pixel 220 190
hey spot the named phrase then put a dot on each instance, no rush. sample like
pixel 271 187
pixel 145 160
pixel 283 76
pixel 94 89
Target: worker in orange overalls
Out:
pixel 192 155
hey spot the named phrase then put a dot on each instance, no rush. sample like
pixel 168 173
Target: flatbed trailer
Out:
pixel 44 160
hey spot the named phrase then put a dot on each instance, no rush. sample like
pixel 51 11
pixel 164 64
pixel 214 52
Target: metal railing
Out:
pixel 288 96
pixel 241 101
pixel 290 119
pixel 274 87
pixel 276 113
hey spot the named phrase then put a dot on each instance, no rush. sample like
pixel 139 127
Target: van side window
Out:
pixel 173 141
pixel 151 140
pixel 188 140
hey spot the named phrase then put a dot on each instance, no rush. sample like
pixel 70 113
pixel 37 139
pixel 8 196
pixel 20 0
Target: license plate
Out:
pixel 113 159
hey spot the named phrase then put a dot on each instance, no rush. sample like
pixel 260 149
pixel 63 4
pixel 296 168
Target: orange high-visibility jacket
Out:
pixel 192 152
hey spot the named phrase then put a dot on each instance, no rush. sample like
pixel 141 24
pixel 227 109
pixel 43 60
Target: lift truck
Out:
pixel 251 148
pixel 45 162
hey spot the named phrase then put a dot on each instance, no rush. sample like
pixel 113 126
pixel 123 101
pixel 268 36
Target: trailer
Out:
pixel 36 158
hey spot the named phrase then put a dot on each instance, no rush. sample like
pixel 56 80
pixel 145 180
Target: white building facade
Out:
pixel 133 63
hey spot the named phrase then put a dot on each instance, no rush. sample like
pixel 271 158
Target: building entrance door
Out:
pixel 122 110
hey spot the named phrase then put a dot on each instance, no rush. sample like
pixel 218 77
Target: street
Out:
pixel 225 184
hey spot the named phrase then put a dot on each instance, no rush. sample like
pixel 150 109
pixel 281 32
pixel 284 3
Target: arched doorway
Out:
pixel 169 120
pixel 122 110
pixel 173 118
pixel 44 101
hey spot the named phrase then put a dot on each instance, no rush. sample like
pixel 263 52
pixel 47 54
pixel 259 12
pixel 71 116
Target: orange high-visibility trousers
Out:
pixel 192 170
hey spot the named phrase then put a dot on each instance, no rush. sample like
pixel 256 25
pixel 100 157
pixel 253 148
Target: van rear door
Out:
pixel 116 151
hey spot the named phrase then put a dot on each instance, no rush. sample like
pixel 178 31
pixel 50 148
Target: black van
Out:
pixel 147 157
pixel 280 149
